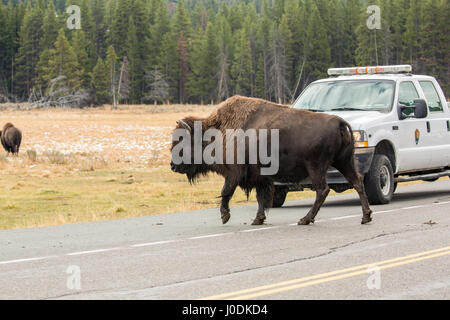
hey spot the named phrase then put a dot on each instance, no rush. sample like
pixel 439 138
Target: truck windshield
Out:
pixel 365 95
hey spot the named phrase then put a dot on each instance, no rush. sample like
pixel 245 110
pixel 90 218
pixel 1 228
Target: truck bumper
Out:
pixel 363 159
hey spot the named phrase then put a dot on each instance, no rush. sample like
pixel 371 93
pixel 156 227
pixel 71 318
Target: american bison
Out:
pixel 306 144
pixel 11 138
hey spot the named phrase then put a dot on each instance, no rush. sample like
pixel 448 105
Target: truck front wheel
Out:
pixel 379 181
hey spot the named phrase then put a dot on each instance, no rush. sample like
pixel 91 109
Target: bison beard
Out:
pixel 11 137
pixel 310 143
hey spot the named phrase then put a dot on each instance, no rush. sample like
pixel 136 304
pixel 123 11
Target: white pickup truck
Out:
pixel 400 123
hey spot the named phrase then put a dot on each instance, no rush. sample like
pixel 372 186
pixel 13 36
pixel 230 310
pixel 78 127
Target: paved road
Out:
pixel 403 254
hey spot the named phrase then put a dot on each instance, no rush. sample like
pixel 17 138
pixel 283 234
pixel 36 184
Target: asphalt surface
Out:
pixel 404 253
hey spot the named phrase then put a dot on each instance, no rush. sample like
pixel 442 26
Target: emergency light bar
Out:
pixel 369 70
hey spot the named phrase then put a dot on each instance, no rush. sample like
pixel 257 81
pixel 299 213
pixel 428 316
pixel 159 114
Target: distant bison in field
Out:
pixel 11 138
pixel 302 144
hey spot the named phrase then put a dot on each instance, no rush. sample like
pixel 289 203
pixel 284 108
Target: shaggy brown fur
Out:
pixel 11 137
pixel 309 143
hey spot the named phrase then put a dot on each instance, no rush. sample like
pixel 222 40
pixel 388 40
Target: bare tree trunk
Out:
pixel 222 90
pixel 299 79
pixel 113 89
pixel 266 77
pixel 120 79
pixel 12 76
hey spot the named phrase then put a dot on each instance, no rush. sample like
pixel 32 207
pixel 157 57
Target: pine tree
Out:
pixel 259 78
pixel 167 63
pixel 412 34
pixel 241 68
pixel 119 27
pixel 3 56
pixel 182 21
pixel 133 57
pixel 160 27
pixel 278 80
pixel 352 18
pixel 431 38
pixel 203 81
pixel 182 32
pixel 368 51
pixel 292 21
pixel 10 18
pixel 224 42
pixel 79 45
pixel 444 54
pixel 50 29
pixel 63 62
pixel 29 51
pixel 98 10
pixel 183 65
pixel 318 50
pixel 100 83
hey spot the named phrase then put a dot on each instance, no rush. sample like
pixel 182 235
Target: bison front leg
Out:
pixel 264 195
pixel 227 193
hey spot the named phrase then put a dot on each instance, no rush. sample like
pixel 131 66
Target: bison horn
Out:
pixel 185 125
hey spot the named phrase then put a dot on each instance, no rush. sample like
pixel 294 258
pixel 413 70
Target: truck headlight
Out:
pixel 361 140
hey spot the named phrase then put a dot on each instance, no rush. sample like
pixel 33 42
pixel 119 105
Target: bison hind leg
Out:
pixel 348 170
pixel 321 195
pixel 228 189
pixel 318 175
pixel 264 195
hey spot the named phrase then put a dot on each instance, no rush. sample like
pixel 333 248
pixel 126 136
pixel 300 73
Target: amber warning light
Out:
pixel 369 70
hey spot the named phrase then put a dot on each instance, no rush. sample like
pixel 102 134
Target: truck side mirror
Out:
pixel 420 109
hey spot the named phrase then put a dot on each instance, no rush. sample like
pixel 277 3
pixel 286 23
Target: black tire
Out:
pixel 379 181
pixel 279 196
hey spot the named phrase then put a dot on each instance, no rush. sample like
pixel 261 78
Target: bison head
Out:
pixel 187 149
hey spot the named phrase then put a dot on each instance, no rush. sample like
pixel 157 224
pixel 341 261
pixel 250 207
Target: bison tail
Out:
pixel 347 141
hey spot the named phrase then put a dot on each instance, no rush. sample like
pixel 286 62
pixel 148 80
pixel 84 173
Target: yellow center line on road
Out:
pixel 329 276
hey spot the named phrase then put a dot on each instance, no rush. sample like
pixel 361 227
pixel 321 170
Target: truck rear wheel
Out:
pixel 379 181
pixel 279 196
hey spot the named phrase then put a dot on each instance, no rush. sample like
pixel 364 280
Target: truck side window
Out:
pixel 434 102
pixel 406 96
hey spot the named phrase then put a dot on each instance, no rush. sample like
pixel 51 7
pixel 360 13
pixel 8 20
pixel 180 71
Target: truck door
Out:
pixel 437 125
pixel 411 133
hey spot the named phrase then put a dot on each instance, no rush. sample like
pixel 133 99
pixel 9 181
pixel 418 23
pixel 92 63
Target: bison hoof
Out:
pixel 258 221
pixel 225 215
pixel 366 219
pixel 304 222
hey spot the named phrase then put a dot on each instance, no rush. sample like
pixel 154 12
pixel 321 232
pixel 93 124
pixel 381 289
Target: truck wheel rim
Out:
pixel 385 180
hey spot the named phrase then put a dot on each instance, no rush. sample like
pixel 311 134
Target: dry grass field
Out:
pixel 98 164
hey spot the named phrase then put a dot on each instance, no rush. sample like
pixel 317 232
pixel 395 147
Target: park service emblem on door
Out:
pixel 417 136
